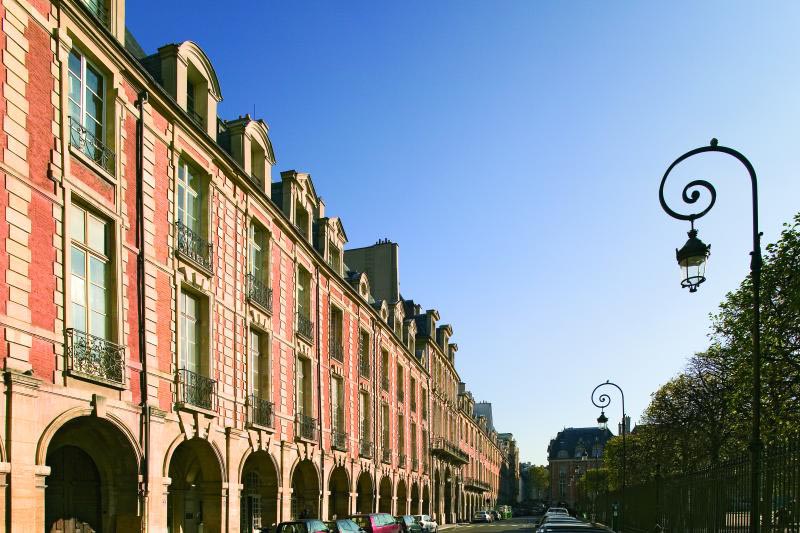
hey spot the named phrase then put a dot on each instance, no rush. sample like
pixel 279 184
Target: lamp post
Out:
pixel 602 401
pixel 692 260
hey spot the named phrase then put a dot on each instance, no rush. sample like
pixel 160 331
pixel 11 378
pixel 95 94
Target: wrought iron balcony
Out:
pixel 363 365
pixel 197 390
pixel 385 382
pixel 401 460
pixel 339 440
pixel 365 448
pixel 95 357
pixel 305 327
pixel 448 451
pixel 306 427
pixel 335 349
pixel 260 412
pixel 386 455
pixel 98 9
pixel 475 484
pixel 415 464
pixel 259 292
pixel 90 146
pixel 194 247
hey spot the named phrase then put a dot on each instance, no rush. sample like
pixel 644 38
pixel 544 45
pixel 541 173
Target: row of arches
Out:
pixel 93 485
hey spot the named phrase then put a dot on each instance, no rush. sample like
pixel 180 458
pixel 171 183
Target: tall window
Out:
pixel 335 334
pixel 363 353
pixel 190 333
pixel 385 429
pixel 337 404
pixel 259 366
pixel 412 391
pixel 301 219
pixel 304 293
pixel 385 369
pixel 400 384
pixel 334 257
pixel 190 198
pixel 364 423
pixel 258 253
pixel 413 441
pixel 90 280
pixel 401 434
pixel 86 106
pixel 304 386
pixel 424 404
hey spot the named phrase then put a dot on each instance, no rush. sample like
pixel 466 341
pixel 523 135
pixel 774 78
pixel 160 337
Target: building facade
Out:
pixel 185 347
pixel 570 454
pixel 509 469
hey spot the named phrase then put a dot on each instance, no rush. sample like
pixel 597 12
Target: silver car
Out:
pixel 428 524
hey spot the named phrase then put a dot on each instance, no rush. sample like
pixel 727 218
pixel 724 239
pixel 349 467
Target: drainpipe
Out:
pixel 319 398
pixel 140 296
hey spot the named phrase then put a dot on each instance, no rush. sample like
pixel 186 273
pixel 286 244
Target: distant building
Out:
pixel 484 409
pixel 570 454
pixel 509 470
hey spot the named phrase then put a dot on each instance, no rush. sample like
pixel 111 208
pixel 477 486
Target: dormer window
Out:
pixel 334 257
pixel 191 102
pixel 257 163
pixel 99 10
pixel 301 219
pixel 363 289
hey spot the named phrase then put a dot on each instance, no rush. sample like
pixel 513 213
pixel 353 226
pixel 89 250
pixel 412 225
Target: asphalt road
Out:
pixel 513 525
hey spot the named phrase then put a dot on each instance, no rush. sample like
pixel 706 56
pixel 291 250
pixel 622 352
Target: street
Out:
pixel 527 524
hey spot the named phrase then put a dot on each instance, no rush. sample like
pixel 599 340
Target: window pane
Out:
pixel 75 90
pixel 77 225
pixel 99 325
pixel 94 81
pixel 78 290
pixel 94 106
pixel 75 63
pixel 98 272
pixel 97 299
pixel 97 235
pixel 78 260
pixel 181 202
pixel 78 317
pixel 93 127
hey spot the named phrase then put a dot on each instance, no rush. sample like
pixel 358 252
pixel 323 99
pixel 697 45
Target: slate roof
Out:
pixel 569 439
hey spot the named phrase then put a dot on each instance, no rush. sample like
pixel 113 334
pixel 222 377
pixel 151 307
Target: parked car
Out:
pixel 495 515
pixel 376 523
pixel 429 525
pixel 304 525
pixel 343 525
pixel 480 516
pixel 408 524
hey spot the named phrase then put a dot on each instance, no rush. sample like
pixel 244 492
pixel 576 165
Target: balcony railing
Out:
pixel 260 411
pixel 306 427
pixel 95 357
pixel 475 484
pixel 98 9
pixel 85 142
pixel 305 327
pixel 401 460
pixel 448 451
pixel 196 390
pixel 339 440
pixel 363 365
pixel 335 349
pixel 365 448
pixel 259 292
pixel 386 455
pixel 385 383
pixel 415 464
pixel 194 247
pixel 196 117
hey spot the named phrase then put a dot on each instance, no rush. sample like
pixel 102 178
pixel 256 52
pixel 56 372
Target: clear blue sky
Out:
pixel 514 151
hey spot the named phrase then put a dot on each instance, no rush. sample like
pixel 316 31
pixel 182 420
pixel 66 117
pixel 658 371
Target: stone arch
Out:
pixel 402 497
pixel 195 494
pixel 305 490
pixel 339 488
pixel 260 478
pixel 192 52
pixel 385 495
pixel 415 503
pixel 365 491
pixel 180 439
pixel 94 474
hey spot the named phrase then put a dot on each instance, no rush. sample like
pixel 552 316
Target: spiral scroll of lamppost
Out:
pixel 602 401
pixel 692 260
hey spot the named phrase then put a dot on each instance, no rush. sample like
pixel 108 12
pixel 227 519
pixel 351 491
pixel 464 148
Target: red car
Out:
pixel 377 523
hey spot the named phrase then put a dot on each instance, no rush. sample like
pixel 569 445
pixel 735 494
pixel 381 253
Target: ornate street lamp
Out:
pixel 602 401
pixel 692 259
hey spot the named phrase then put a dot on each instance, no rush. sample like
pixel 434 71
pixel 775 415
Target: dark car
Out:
pixel 495 514
pixel 376 523
pixel 343 525
pixel 304 525
pixel 408 524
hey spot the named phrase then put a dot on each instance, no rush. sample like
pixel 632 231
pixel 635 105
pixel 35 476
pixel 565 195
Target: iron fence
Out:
pixel 259 292
pixel 95 357
pixel 339 440
pixel 306 427
pixel 365 448
pixel 305 326
pixel 261 411
pixel 336 349
pixel 714 499
pixel 196 390
pixel 194 247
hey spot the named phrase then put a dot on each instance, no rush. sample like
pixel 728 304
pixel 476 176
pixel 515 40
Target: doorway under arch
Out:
pixel 339 499
pixel 194 502
pixel 259 498
pixel 448 497
pixel 385 496
pixel 364 497
pixel 93 481
pixel 415 499
pixel 426 500
pixel 305 491
pixel 402 498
